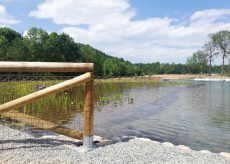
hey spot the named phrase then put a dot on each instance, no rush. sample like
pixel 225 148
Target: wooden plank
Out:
pixel 14 104
pixel 45 67
pixel 2 162
pixel 88 109
pixel 37 122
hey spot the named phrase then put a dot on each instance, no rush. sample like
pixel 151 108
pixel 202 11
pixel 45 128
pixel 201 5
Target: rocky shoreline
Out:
pixel 19 147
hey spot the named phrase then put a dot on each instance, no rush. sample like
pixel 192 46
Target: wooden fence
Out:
pixel 9 109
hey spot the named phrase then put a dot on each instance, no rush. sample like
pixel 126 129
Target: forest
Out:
pixel 39 45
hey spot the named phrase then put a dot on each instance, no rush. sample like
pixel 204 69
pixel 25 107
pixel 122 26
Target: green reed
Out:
pixel 63 106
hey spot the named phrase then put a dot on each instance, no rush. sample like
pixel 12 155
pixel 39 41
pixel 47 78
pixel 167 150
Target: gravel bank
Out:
pixel 19 147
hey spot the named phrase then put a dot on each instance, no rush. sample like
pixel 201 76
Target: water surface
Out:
pixel 196 115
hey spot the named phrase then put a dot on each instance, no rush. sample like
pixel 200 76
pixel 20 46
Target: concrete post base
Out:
pixel 88 142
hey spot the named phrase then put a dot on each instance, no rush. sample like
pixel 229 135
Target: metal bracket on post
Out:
pixel 88 142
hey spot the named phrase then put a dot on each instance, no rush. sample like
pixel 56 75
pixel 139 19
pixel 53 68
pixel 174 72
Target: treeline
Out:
pixel 38 45
pixel 217 45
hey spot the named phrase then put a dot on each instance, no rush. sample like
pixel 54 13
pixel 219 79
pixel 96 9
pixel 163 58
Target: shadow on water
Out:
pixel 32 143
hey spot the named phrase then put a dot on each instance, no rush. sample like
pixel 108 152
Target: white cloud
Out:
pixel 75 12
pixel 209 15
pixel 109 25
pixel 5 18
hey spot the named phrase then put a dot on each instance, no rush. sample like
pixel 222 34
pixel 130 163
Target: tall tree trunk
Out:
pixel 222 69
pixel 229 67
pixel 210 66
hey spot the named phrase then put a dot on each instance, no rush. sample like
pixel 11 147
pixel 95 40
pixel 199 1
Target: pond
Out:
pixel 195 114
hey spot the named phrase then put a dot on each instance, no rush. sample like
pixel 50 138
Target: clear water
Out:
pixel 196 115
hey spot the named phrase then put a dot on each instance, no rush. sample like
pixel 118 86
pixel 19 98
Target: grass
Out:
pixel 63 106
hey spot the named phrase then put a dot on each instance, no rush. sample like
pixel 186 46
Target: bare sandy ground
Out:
pixel 189 76
pixel 168 77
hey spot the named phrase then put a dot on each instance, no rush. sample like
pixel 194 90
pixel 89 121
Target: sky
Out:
pixel 141 31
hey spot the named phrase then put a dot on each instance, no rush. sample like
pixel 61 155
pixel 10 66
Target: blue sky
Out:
pixel 161 8
pixel 136 30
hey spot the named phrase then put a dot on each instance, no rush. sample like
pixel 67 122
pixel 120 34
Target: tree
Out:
pixel 221 41
pixel 61 48
pixel 38 45
pixel 36 39
pixel 12 46
pixel 109 68
pixel 9 34
pixel 210 51
pixel 197 62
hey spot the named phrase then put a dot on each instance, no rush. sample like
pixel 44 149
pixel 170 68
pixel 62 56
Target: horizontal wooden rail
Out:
pixel 45 67
pixel 14 104
pixel 37 122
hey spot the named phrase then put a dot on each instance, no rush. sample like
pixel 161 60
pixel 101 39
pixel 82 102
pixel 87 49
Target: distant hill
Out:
pixel 38 45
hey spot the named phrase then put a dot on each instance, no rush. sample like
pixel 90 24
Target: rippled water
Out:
pixel 196 115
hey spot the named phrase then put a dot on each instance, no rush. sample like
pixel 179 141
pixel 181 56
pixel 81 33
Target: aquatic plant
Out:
pixel 65 105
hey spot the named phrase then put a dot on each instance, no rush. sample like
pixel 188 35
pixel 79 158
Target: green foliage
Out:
pixel 39 45
pixel 197 63
pixel 11 45
pixel 221 40
pixel 210 51
pixel 9 35
pixel 89 54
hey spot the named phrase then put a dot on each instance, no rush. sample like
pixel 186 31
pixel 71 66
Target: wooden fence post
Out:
pixel 88 114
